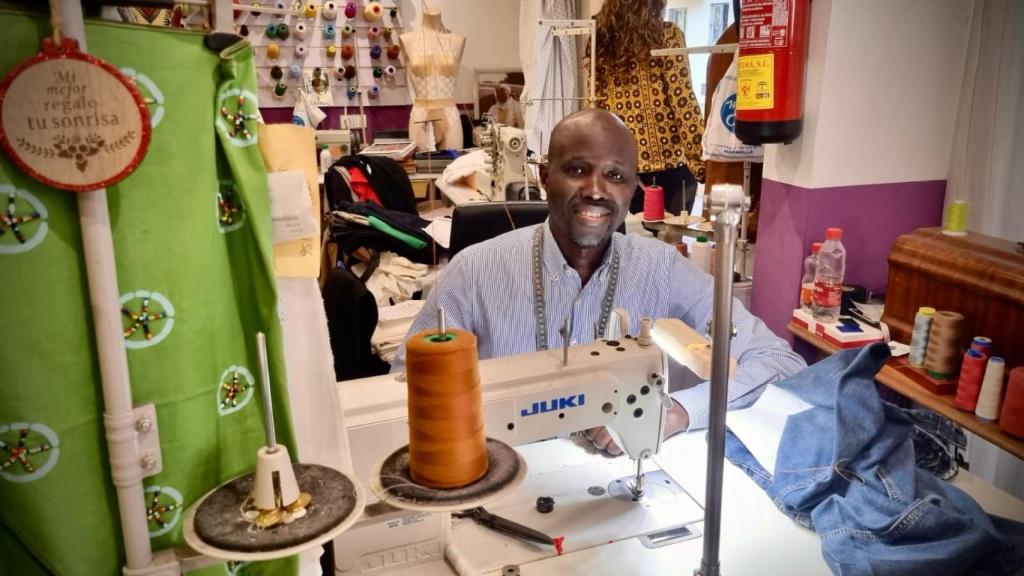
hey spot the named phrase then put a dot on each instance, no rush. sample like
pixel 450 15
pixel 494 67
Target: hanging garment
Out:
pixel 549 67
pixel 654 97
pixel 351 319
pixel 845 468
pixel 191 232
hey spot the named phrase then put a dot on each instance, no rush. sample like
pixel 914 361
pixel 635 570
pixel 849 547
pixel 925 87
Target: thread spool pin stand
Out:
pixel 273 459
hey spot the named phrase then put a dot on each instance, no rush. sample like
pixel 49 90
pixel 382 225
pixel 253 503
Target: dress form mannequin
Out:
pixel 432 56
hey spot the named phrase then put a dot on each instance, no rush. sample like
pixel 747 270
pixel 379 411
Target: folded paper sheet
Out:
pixel 290 147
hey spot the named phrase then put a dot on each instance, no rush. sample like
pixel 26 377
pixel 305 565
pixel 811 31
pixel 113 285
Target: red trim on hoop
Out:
pixel 69 49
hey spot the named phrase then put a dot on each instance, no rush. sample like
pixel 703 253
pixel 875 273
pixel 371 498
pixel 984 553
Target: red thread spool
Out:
pixel 654 203
pixel 1011 420
pixel 971 374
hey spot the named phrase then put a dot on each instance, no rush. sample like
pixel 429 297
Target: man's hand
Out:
pixel 676 420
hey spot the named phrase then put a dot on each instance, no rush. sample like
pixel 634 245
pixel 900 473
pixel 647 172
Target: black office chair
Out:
pixel 474 223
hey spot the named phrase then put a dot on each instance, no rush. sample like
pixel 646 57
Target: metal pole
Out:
pixel 744 221
pixel 223 17
pixel 268 406
pixel 593 67
pixel 101 272
pixel 725 236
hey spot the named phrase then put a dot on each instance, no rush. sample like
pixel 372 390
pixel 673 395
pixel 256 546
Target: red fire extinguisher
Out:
pixel 770 70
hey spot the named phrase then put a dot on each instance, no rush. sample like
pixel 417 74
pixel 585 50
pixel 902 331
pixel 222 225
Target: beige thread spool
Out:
pixel 991 389
pixel 944 351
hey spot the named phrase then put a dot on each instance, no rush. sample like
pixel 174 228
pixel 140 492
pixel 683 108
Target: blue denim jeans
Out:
pixel 845 469
pixel 937 441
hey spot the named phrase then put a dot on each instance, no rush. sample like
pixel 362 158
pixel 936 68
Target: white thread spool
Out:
pixel 919 339
pixel 301 51
pixel 329 11
pixel 991 390
pixel 300 30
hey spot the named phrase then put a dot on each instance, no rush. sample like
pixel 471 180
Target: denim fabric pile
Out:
pixel 937 443
pixel 846 469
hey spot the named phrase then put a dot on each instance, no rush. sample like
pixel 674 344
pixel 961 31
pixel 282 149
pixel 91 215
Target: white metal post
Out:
pixel 98 252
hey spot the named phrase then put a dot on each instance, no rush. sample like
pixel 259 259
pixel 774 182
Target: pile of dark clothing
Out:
pixel 368 226
pixel 372 211
pixel 846 469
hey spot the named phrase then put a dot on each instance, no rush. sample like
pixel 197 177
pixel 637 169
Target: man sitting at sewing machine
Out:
pixel 516 291
pixel 506 110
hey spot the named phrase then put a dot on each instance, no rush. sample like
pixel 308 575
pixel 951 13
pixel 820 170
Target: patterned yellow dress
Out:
pixel 655 98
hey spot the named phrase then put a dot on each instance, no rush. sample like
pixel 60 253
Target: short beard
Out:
pixel 588 241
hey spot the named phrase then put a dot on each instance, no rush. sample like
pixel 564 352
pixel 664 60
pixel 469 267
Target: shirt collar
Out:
pixel 554 260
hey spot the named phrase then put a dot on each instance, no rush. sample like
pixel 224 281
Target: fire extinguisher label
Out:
pixel 755 82
pixel 765 23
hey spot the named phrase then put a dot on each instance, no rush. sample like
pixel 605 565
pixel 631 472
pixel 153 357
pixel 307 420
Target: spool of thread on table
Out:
pixel 654 203
pixel 1011 417
pixel 982 344
pixel 919 339
pixel 956 219
pixel 447 444
pixel 991 389
pixel 971 375
pixel 944 351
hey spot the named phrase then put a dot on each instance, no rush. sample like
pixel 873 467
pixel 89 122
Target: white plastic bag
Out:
pixel 720 141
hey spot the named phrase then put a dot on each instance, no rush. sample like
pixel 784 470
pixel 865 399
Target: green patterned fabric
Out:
pixel 191 231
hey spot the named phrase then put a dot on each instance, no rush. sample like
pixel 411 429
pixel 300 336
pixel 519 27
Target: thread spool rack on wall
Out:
pixel 252 20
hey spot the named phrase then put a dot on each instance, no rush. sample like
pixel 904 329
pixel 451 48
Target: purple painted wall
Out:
pixel 377 117
pixel 871 216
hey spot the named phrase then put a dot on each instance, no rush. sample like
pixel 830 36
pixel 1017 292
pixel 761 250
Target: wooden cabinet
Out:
pixel 978 276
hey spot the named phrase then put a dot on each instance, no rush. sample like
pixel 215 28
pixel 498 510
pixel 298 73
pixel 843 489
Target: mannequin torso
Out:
pixel 432 57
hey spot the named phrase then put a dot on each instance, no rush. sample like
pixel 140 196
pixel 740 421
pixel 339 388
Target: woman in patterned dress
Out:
pixel 652 95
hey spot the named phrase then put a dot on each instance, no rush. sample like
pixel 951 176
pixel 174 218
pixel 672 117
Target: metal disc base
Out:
pixel 214 525
pixel 392 482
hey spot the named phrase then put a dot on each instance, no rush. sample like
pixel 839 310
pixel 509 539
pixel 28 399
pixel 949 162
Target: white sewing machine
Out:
pixel 536 396
pixel 504 178
pixel 621 384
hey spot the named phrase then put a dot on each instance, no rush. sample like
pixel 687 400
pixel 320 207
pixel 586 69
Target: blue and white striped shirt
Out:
pixel 487 289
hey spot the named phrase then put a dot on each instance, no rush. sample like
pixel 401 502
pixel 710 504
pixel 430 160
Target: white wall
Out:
pixel 491 28
pixel 883 83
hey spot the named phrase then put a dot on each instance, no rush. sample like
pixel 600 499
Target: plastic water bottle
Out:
pixel 828 277
pixel 325 159
pixel 807 282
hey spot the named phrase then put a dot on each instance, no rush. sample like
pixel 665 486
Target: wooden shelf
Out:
pixel 891 377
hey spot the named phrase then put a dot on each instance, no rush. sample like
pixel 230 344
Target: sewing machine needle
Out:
pixel 637 487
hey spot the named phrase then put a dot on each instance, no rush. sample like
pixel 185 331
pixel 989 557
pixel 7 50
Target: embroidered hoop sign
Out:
pixel 71 120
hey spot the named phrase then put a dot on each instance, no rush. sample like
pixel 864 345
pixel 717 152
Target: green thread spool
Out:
pixel 956 219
